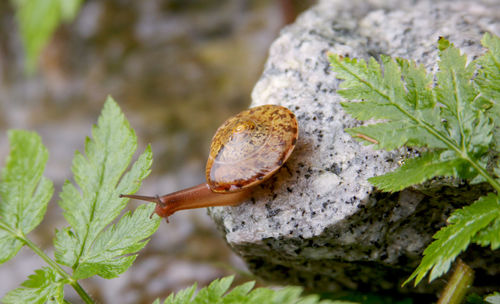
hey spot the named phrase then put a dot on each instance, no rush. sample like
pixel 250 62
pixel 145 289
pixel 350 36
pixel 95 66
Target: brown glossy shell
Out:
pixel 249 147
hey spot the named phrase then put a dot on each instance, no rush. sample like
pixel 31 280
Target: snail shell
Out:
pixel 249 147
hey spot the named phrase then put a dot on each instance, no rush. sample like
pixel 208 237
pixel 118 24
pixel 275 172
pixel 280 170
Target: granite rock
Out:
pixel 319 223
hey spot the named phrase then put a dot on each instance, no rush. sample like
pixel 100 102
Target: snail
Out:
pixel 246 149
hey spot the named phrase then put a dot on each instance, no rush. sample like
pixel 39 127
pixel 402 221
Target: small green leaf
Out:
pixel 417 170
pixel 289 294
pixel 239 294
pixel 69 9
pixel 488 84
pixel 262 295
pixel 24 192
pixel 216 293
pixel 443 44
pixel 464 224
pixel 183 296
pixel 89 245
pixel 42 287
pixel 37 20
pixel 213 292
pixel 488 78
pixel 490 236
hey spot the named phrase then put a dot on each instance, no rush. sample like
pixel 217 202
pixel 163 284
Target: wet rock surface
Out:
pixel 319 223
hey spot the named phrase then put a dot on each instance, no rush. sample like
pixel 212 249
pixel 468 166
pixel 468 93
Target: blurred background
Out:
pixel 177 68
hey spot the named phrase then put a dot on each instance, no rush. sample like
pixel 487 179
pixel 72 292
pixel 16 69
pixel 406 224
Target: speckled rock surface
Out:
pixel 318 222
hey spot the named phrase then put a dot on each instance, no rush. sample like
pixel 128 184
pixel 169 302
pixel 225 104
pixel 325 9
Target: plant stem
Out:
pixel 459 283
pixel 485 174
pixel 76 286
pixel 20 236
pixel 81 292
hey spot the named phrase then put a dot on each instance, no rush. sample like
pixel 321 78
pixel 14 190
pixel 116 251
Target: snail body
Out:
pixel 246 149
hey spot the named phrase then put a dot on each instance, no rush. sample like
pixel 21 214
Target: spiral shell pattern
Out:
pixel 249 147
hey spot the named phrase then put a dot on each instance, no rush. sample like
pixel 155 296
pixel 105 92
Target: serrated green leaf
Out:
pixel 183 296
pixel 355 73
pixel 466 125
pixel 239 293
pixel 42 287
pixel 10 245
pixel 261 295
pixel 488 78
pixel 493 298
pixel 216 293
pixel 107 269
pixel 289 294
pixel 417 170
pixel 403 97
pixel 37 22
pixel 24 192
pixel 213 292
pixel 392 135
pixel 409 106
pixel 131 180
pixel 66 245
pixel 418 85
pixel 110 255
pixel 488 84
pixel 89 246
pixel 490 236
pixel 464 224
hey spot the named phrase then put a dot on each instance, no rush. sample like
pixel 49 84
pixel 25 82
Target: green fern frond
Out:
pixel 217 293
pixel 454 116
